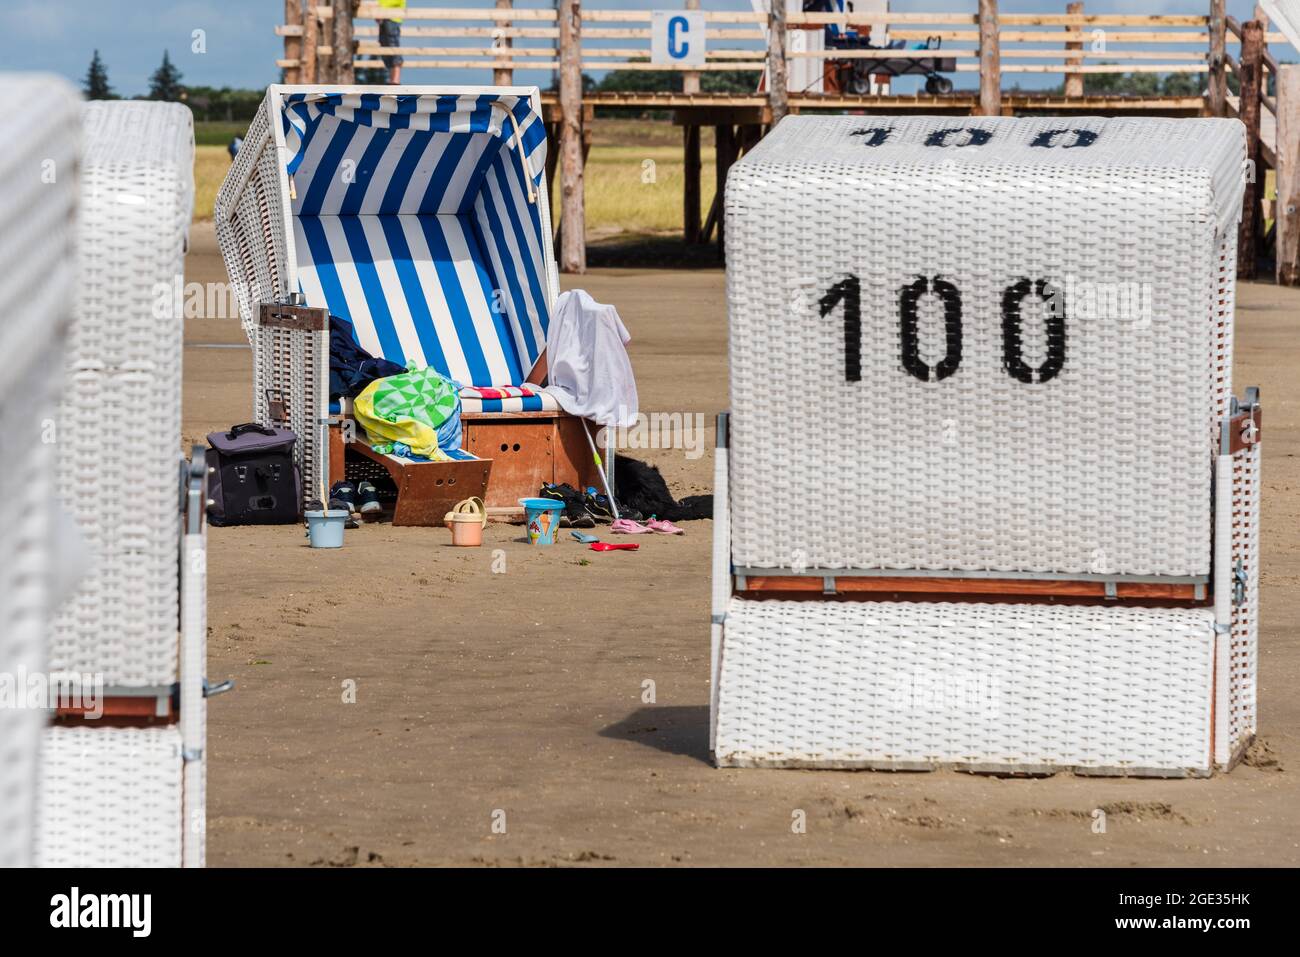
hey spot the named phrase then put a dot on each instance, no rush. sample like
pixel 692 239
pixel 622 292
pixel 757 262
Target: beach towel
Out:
pixel 409 409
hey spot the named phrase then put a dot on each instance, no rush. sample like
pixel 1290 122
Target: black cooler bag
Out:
pixel 251 476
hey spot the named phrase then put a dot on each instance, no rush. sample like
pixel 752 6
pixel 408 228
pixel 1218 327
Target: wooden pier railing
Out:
pixel 329 41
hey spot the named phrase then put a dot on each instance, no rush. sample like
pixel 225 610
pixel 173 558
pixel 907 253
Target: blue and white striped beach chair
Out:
pixel 420 214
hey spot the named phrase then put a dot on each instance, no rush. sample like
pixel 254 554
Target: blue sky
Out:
pixel 59 35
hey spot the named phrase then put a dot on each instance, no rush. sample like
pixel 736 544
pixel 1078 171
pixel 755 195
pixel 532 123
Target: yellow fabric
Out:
pixel 393 5
pixel 419 437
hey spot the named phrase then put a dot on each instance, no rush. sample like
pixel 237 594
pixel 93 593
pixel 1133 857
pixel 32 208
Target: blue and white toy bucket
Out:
pixel 541 519
pixel 325 529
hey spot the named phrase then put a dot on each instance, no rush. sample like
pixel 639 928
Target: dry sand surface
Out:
pixel 522 692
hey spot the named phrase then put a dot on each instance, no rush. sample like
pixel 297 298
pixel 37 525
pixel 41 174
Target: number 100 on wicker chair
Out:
pixel 1022 532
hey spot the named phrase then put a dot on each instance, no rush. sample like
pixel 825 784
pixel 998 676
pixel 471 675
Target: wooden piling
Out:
pixel 1288 175
pixel 344 72
pixel 573 219
pixel 1250 75
pixel 293 40
pixel 990 60
pixel 310 40
pixel 724 156
pixel 691 190
pixel 1217 89
pixel 691 78
pixel 778 80
pixel 503 76
pixel 1074 81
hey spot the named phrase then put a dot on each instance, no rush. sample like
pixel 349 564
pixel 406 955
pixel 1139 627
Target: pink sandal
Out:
pixel 664 527
pixel 626 526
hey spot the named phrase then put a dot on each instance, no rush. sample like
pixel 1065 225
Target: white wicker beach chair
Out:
pixel 420 215
pixel 39 123
pixel 984 496
pixel 129 791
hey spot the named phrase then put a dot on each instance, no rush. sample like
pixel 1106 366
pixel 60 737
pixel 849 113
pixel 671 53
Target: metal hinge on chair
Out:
pixel 211 690
pixel 1239 583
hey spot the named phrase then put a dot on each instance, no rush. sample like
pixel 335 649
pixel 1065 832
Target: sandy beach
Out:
pixel 517 697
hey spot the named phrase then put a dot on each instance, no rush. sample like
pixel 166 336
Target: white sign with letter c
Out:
pixel 677 38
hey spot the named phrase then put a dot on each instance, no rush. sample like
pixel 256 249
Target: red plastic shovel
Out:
pixel 615 546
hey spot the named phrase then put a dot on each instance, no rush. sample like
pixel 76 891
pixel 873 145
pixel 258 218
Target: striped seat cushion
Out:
pixel 507 399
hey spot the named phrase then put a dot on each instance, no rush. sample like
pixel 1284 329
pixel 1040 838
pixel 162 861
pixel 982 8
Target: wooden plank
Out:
pixel 691 188
pixel 1245 430
pixel 990 67
pixel 1102 20
pixel 373 11
pixel 778 92
pixel 1288 175
pixel 116 711
pixel 719 65
pixel 506 53
pixel 849 585
pixel 502 76
pixel 573 241
pixel 643 16
pixel 964 53
pixel 1252 45
pixel 1043 36
pixel 1074 81
pixel 1097 68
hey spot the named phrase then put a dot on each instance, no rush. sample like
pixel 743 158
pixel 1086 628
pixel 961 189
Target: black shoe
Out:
pixel 343 496
pixel 368 499
pixel 599 506
pixel 575 513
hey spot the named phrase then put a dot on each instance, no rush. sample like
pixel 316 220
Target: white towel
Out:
pixel 589 371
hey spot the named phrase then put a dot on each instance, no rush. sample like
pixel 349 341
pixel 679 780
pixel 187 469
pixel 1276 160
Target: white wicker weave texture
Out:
pixel 1030 387
pixel 1240 683
pixel 110 797
pixel 989 687
pixel 39 125
pixel 119 424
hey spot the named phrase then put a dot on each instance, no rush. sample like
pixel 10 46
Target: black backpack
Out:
pixel 252 479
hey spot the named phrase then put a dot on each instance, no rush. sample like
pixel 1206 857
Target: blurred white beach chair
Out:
pixel 984 497
pixel 420 215
pixel 40 127
pixel 127 788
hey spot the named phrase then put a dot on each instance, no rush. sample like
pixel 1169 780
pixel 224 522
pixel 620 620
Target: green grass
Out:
pixel 217 134
pixel 210 166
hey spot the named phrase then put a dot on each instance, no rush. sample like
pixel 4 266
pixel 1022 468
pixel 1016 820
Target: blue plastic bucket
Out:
pixel 541 519
pixel 325 529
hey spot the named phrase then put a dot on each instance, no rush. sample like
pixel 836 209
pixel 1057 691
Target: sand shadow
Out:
pixel 679 729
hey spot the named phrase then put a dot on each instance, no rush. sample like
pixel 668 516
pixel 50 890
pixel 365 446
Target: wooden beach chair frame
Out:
pixel 261 215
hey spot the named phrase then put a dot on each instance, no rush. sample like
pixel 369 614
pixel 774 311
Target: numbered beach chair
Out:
pixel 40 123
pixel 122 767
pixel 420 215
pixel 1035 545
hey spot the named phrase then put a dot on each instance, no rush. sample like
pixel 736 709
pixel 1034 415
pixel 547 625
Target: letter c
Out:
pixel 678 49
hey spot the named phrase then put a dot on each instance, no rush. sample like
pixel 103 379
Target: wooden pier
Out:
pixel 327 42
